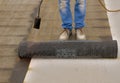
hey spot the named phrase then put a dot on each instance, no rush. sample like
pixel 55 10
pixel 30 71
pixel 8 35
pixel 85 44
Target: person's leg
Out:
pixel 80 12
pixel 66 16
pixel 79 18
pixel 65 13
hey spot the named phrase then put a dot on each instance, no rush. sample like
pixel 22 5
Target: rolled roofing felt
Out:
pixel 68 49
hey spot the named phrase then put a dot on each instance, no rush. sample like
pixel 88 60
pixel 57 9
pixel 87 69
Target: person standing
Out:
pixel 66 17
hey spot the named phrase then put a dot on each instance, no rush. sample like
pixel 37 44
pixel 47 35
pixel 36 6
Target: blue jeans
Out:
pixel 66 15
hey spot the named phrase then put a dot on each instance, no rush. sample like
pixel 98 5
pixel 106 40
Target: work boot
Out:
pixel 65 35
pixel 80 34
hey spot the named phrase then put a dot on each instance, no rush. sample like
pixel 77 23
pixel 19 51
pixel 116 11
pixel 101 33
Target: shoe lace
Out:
pixel 65 30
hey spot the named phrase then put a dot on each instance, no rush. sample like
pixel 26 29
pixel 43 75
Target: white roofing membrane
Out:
pixel 114 20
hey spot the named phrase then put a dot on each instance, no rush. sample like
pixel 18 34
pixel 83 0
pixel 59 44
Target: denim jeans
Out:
pixel 66 15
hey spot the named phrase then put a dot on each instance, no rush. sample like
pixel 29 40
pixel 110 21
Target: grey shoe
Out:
pixel 65 35
pixel 80 35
